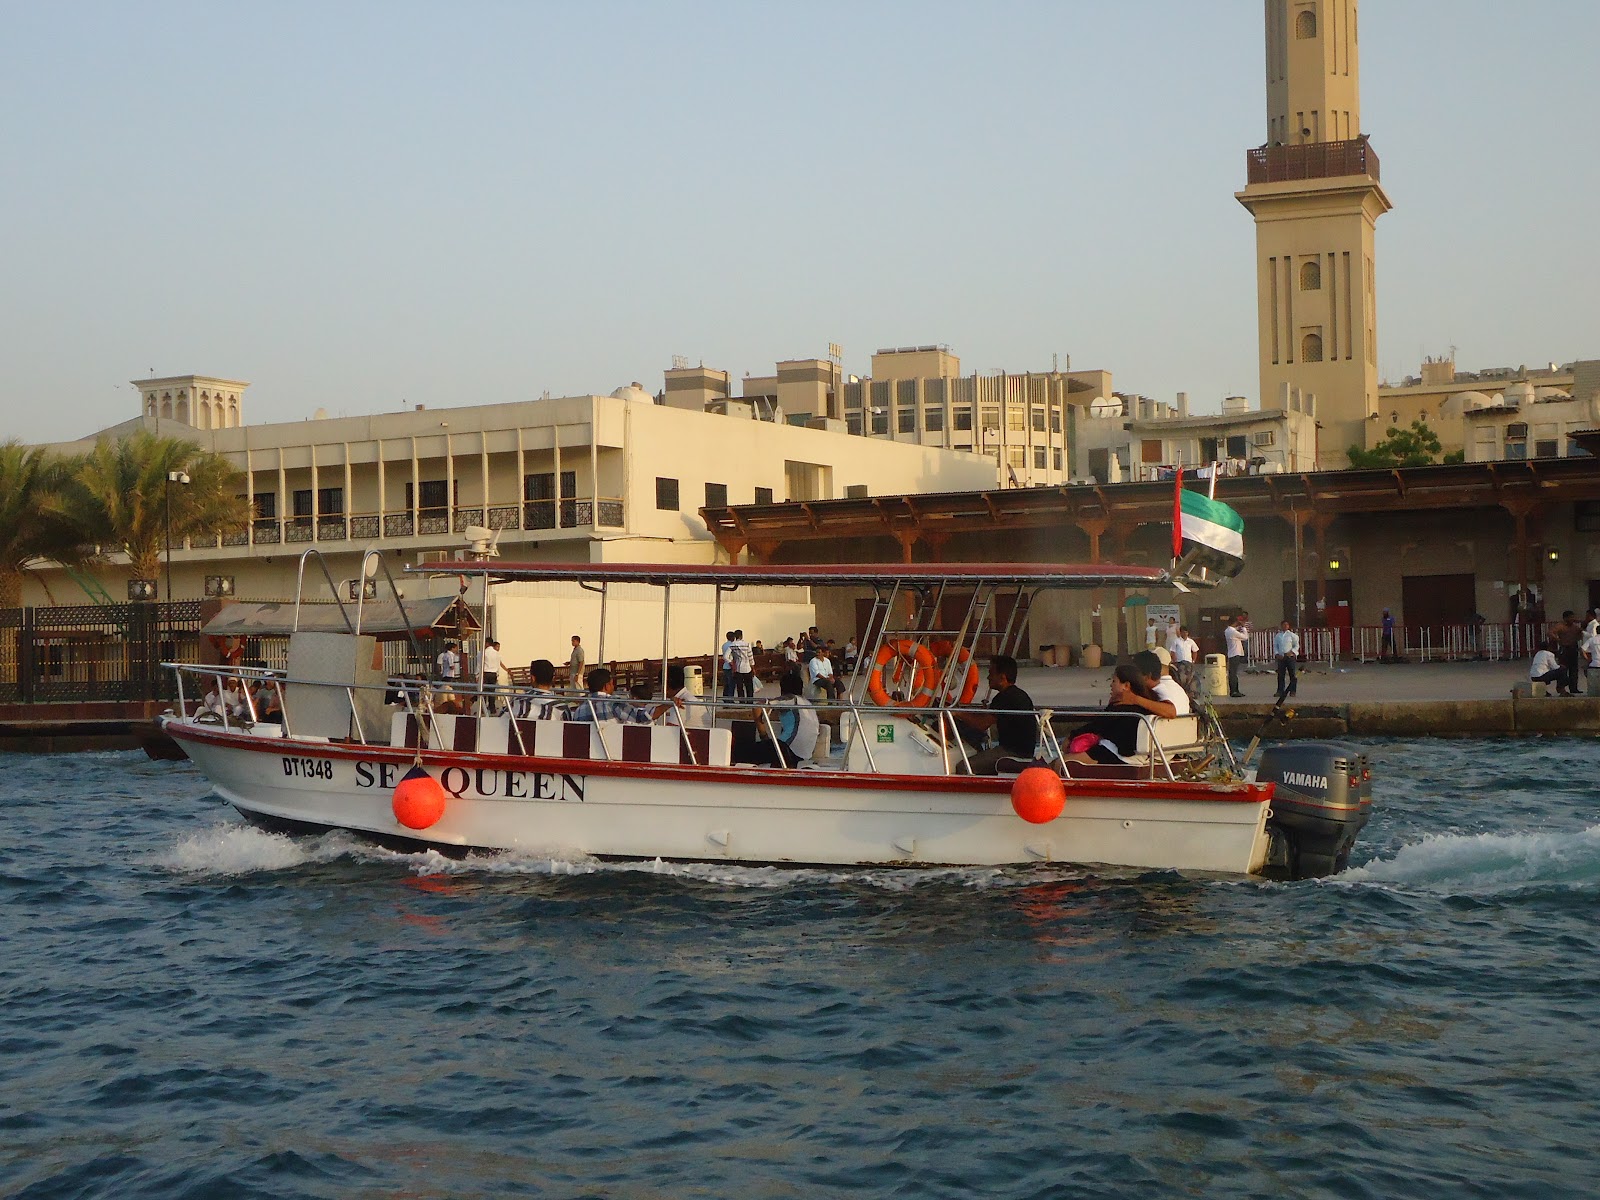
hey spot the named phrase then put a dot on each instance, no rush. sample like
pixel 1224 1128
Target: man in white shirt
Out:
pixel 1170 699
pixel 822 677
pixel 1286 649
pixel 744 666
pixel 1185 653
pixel 1236 643
pixel 449 662
pixel 1151 634
pixel 492 665
pixel 794 722
pixel 1546 669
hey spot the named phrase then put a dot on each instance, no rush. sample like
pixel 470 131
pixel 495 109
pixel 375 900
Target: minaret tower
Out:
pixel 1313 190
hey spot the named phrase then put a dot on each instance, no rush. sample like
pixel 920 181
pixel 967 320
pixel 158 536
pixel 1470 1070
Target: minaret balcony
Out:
pixel 1312 160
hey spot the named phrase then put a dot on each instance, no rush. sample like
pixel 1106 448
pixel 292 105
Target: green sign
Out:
pixel 886 733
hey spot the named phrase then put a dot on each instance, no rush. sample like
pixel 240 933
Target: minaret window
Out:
pixel 1311 276
pixel 1305 24
pixel 1311 348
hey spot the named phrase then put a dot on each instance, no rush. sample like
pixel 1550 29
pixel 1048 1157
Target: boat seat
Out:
pixel 1171 733
pixel 558 738
pixel 1077 770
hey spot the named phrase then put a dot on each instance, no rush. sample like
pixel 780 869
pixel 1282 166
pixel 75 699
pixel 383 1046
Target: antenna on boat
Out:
pixel 482 542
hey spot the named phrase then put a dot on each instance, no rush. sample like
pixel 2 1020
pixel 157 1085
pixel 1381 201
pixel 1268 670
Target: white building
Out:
pixel 574 479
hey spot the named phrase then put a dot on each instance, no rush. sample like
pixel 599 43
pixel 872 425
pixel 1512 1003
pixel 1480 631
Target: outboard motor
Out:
pixel 1322 796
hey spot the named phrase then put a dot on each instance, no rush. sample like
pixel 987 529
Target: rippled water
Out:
pixel 194 1008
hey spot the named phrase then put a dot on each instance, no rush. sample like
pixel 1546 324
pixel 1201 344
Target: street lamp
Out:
pixel 181 478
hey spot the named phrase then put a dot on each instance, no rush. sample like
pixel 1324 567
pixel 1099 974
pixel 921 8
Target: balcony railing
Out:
pixel 533 515
pixel 1312 160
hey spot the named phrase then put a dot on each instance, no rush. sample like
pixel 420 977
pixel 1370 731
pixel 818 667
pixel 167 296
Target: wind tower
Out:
pixel 1314 192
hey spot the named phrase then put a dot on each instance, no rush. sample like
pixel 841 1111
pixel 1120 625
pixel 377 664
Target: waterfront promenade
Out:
pixel 1460 699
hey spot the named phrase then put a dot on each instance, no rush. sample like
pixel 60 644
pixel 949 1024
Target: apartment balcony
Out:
pixel 1312 160
pixel 538 516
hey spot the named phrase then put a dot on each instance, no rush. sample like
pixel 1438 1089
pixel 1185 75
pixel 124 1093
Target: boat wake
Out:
pixel 236 848
pixel 1488 863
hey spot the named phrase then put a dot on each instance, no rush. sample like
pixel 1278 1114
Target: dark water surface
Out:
pixel 194 1008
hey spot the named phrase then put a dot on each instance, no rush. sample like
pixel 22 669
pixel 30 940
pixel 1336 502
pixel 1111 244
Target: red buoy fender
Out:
pixel 418 800
pixel 1038 795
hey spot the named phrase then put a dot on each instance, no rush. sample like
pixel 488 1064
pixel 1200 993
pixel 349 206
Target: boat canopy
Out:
pixel 1040 575
pixel 384 619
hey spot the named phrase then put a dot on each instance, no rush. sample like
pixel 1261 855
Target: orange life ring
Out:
pixel 924 673
pixel 969 686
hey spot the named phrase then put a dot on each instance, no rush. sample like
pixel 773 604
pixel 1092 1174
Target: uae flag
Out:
pixel 1213 531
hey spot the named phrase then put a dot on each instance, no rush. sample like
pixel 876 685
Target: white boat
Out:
pixel 890 790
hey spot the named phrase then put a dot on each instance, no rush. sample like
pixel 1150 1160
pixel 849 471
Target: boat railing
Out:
pixel 425 700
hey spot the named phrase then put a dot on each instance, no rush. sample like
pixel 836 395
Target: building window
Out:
pixel 1238 446
pixel 763 495
pixel 1547 449
pixel 330 502
pixel 933 419
pixel 1305 24
pixel 1038 420
pixel 963 418
pixel 852 423
pixel 880 420
pixel 666 494
pixel 301 502
pixel 1038 458
pixel 906 420
pixel 435 494
pixel 1517 450
pixel 1311 276
pixel 1055 457
pixel 1586 516
pixel 716 495
pixel 266 505
pixel 1150 451
pixel 1017 456
pixel 1311 348
pixel 1016 419
pixel 1055 418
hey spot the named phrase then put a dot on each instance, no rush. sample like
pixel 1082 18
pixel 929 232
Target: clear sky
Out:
pixel 359 206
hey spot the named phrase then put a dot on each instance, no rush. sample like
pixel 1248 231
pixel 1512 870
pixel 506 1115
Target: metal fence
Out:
pixel 95 651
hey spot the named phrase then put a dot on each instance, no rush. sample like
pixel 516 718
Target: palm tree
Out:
pixel 35 518
pixel 121 495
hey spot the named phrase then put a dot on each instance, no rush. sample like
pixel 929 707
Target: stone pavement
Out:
pixel 1347 683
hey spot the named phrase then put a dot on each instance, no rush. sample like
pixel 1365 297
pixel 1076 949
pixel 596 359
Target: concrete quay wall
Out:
pixel 1515 716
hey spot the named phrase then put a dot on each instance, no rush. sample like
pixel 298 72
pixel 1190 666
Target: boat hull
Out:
pixel 811 817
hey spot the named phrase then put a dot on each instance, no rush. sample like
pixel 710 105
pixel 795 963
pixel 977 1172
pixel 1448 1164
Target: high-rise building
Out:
pixel 1314 192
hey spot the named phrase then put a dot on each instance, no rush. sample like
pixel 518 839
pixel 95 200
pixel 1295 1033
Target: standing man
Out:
pixel 575 663
pixel 491 675
pixel 1568 634
pixel 1185 653
pixel 744 667
pixel 1286 649
pixel 1386 648
pixel 1236 642
pixel 1151 633
pixel 448 662
pixel 725 652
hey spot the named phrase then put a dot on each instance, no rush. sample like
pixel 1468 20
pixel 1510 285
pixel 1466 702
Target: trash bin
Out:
pixel 693 678
pixel 1047 656
pixel 1216 675
pixel 1091 656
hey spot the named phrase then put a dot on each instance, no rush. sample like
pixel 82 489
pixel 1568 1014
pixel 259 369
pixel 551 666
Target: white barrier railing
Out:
pixel 1488 641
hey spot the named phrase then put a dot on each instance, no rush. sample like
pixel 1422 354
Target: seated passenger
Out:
pixel 269 701
pixel 797 726
pixel 1164 689
pixel 1016 733
pixel 601 705
pixel 1107 740
pixel 540 702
